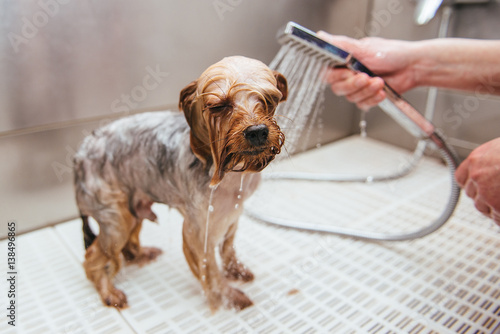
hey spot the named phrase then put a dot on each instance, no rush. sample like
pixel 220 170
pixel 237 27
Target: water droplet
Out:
pixel 207 223
pixel 362 124
pixel 369 179
pixel 203 278
pixel 239 196
pixel 236 206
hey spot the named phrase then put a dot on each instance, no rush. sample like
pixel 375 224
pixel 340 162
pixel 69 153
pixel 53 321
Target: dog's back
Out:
pixel 135 159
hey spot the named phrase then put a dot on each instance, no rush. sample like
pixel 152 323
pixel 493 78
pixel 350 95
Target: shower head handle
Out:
pixel 394 105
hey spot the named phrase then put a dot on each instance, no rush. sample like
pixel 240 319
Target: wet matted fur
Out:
pixel 183 160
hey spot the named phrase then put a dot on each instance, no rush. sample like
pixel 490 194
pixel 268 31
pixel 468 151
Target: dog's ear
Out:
pixel 282 85
pixel 187 96
pixel 199 132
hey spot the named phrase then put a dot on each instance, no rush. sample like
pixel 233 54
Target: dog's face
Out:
pixel 230 110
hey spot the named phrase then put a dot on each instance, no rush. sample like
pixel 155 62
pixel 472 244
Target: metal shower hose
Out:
pixel 446 153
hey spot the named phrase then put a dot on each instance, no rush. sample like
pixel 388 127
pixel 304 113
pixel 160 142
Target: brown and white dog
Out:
pixel 196 167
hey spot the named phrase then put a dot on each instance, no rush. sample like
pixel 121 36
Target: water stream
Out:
pixel 241 184
pixel 237 205
pixel 207 223
pixel 362 124
pixel 304 73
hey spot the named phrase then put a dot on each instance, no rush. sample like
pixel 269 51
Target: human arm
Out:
pixel 453 63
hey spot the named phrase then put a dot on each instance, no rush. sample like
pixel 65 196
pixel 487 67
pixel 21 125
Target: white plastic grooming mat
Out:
pixel 447 282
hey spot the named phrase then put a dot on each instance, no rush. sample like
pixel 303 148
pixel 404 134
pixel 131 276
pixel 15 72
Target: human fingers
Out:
pixel 358 88
pixel 353 86
pixel 482 207
pixel 347 83
pixel 372 101
pixel 470 189
pixel 369 95
pixel 496 217
pixel 337 78
pixel 462 173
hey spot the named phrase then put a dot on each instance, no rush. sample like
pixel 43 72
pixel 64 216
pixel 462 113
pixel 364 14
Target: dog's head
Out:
pixel 230 110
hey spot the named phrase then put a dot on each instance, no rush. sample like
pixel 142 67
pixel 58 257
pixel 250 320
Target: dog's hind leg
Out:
pixel 134 253
pixel 88 234
pixel 102 258
pixel 100 269
pixel 233 268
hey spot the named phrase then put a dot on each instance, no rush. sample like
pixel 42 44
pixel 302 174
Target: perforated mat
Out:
pixel 447 282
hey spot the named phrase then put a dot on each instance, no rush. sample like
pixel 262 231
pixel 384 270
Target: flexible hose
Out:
pixel 329 177
pixel 452 162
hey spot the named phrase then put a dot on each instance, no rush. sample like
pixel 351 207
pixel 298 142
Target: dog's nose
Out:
pixel 256 135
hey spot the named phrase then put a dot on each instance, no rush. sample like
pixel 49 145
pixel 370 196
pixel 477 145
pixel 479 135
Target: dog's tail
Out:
pixel 88 234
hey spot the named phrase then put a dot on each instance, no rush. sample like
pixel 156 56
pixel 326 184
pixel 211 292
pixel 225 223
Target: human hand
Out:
pixel 390 59
pixel 479 176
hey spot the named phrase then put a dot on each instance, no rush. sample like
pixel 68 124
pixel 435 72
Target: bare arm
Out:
pixel 456 63
pixel 453 63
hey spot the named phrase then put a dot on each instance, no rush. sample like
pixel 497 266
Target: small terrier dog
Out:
pixel 188 162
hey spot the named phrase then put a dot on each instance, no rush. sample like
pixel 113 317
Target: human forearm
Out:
pixel 455 63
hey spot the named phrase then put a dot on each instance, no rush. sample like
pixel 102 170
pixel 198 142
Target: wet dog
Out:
pixel 204 163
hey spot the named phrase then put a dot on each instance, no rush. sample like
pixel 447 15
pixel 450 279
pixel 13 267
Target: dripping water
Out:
pixel 362 124
pixel 237 205
pixel 241 182
pixel 207 223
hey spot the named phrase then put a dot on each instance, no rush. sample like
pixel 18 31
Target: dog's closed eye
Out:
pixel 220 108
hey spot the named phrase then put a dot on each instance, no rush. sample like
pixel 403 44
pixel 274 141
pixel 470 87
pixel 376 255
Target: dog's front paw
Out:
pixel 236 299
pixel 146 255
pixel 229 298
pixel 238 271
pixel 115 298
